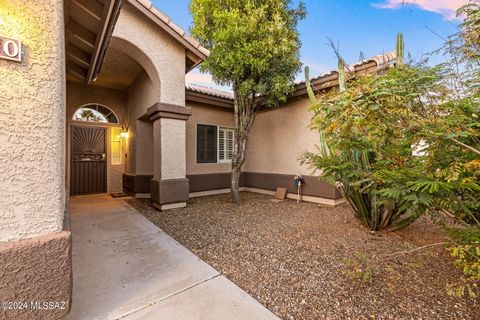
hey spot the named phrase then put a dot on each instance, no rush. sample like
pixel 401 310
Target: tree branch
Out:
pixel 464 145
pixel 416 249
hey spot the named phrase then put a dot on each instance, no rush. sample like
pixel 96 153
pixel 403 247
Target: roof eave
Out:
pixel 195 52
pixel 193 96
pixel 104 39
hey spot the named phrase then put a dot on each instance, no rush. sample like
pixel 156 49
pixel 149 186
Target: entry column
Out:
pixel 169 186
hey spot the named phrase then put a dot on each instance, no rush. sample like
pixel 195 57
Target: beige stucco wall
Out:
pixel 140 96
pixel 79 94
pixel 205 114
pixel 279 137
pixel 32 121
pixel 173 146
pixel 164 52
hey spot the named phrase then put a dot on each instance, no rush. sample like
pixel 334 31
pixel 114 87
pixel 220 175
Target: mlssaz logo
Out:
pixel 10 49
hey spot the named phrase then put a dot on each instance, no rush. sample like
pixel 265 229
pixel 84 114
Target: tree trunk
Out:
pixel 238 158
pixel 235 183
pixel 244 108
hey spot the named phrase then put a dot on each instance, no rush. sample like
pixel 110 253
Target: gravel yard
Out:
pixel 308 261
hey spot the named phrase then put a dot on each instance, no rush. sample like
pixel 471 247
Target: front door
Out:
pixel 88 167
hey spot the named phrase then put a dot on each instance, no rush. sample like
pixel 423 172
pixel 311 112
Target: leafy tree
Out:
pixel 464 47
pixel 470 29
pixel 254 47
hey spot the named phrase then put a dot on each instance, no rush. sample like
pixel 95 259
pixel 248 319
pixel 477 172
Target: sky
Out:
pixel 367 26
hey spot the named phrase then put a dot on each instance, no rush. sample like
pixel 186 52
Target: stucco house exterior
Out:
pixel 95 102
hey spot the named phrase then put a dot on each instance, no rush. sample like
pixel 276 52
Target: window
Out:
pixel 214 144
pixel 206 144
pixel 95 113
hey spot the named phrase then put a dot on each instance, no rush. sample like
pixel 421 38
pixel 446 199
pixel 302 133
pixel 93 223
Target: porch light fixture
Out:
pixel 10 26
pixel 124 133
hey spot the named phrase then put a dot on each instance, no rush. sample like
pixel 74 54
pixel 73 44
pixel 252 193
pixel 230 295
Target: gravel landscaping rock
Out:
pixel 307 261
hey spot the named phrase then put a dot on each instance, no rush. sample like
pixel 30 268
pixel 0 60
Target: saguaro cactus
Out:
pixel 400 49
pixel 310 93
pixel 342 79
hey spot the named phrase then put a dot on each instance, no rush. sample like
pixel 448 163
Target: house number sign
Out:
pixel 10 49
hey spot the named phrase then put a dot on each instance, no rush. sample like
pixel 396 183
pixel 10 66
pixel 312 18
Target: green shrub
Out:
pixel 400 143
pixel 466 255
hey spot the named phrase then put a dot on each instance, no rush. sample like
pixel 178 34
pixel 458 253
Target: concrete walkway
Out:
pixel 125 267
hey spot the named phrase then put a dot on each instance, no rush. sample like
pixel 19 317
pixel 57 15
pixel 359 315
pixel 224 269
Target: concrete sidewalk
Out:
pixel 125 267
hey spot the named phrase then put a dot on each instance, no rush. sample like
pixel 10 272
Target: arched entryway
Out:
pixel 88 148
pixel 109 134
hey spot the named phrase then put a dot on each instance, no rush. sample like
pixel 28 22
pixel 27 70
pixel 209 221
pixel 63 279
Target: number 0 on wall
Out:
pixel 10 49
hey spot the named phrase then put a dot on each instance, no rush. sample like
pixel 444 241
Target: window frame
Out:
pixel 218 161
pixel 196 143
pixel 100 108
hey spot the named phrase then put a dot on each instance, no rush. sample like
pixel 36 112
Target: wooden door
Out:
pixel 88 166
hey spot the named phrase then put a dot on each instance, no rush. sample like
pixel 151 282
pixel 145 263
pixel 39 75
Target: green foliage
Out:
pixel 466 254
pixel 254 44
pixel 365 152
pixel 402 143
pixel 358 267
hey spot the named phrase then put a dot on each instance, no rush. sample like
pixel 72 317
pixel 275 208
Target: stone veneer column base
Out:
pixel 169 193
pixel 36 271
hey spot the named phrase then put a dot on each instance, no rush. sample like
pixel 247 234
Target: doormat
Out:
pixel 119 195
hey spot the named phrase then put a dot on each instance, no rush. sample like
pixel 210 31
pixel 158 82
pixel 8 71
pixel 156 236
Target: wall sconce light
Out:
pixel 124 133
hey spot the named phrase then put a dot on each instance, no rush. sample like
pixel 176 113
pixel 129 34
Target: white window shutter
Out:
pixel 221 144
pixel 229 143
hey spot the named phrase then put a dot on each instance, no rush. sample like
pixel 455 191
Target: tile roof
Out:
pixel 209 91
pixel 381 60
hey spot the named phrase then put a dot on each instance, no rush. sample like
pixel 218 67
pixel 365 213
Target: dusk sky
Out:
pixel 368 26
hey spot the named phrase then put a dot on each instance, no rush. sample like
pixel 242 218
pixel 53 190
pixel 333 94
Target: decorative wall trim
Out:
pixel 165 110
pixel 136 184
pixel 37 269
pixel 210 183
pixel 209 192
pixel 294 196
pixel 169 191
pixel 312 185
pixel 266 181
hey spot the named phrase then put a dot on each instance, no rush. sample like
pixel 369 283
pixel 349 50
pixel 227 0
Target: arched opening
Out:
pixel 141 57
pixel 141 93
pixel 93 112
pixel 115 103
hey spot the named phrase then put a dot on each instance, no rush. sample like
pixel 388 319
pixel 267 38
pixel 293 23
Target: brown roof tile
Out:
pixel 325 80
pixel 209 91
pixel 381 61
